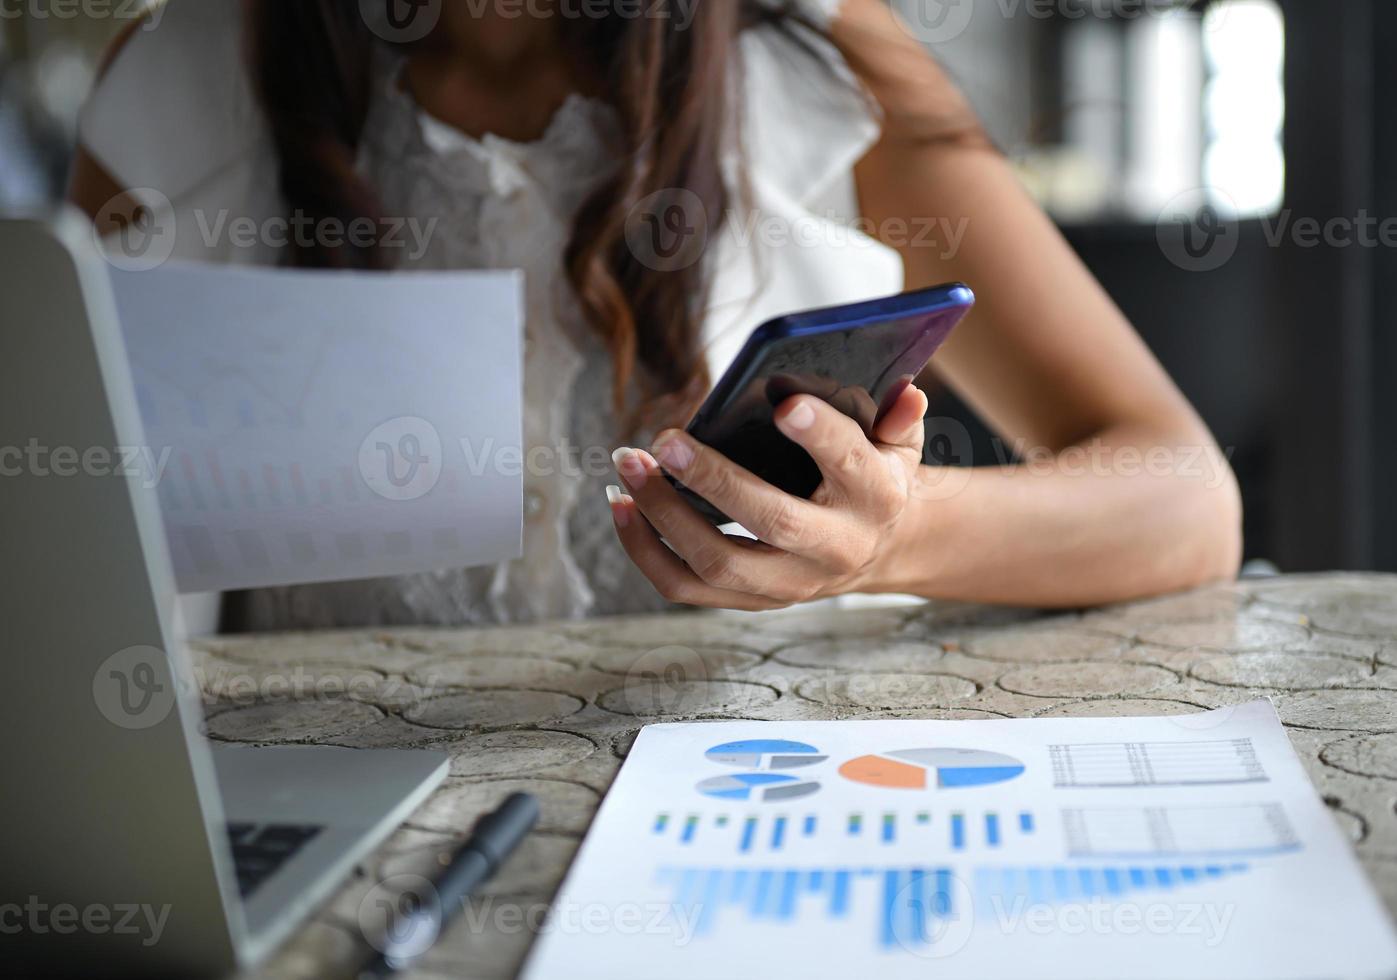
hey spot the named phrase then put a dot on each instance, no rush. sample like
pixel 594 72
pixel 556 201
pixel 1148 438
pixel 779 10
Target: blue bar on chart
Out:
pixel 749 830
pixel 909 899
pixel 1075 884
pixel 764 832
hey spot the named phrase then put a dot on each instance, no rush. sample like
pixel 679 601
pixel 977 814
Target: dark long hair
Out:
pixel 671 85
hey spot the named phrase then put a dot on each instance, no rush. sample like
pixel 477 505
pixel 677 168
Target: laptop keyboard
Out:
pixel 259 850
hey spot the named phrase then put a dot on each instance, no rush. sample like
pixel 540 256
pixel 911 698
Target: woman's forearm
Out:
pixel 1124 515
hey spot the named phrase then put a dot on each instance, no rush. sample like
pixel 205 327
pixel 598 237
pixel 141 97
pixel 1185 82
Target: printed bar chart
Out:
pixel 1058 884
pixel 768 832
pixel 913 904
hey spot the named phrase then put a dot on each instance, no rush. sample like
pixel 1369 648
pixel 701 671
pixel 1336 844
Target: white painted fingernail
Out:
pixel 619 506
pixel 631 467
pixel 801 417
pixel 674 452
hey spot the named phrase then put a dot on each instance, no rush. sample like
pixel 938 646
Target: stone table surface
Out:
pixel 553 710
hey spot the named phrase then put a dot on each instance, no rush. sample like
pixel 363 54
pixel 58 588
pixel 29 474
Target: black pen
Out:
pixel 415 930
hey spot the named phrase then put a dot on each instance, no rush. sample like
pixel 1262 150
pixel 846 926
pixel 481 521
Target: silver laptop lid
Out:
pixel 114 842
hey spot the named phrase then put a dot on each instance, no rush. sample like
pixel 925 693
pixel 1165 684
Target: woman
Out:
pixel 543 141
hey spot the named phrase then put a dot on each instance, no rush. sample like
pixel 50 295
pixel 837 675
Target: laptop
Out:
pixel 129 845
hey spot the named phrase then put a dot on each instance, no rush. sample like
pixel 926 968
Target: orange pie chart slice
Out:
pixel 878 771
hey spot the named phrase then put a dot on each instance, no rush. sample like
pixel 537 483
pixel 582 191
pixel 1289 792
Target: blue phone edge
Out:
pixel 933 299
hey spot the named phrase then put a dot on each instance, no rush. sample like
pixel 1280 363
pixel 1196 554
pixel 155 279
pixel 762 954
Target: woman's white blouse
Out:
pixel 174 119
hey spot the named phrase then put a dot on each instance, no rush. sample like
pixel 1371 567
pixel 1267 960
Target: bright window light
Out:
pixel 1244 107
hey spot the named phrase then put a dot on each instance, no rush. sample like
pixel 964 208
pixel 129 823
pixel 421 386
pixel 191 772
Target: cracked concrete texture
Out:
pixel 554 710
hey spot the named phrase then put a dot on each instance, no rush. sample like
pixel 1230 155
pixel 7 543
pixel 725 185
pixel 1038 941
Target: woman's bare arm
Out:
pixel 1126 493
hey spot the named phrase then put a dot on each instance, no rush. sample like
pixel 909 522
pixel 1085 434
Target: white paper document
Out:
pixel 314 426
pixel 1190 846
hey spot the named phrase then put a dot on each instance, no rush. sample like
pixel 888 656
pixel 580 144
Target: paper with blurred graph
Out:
pixel 308 426
pixel 1187 846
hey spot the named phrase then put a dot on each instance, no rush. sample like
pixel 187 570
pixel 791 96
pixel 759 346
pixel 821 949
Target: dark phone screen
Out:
pixel 859 370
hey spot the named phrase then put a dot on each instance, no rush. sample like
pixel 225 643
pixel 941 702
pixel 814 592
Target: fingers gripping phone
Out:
pixel 858 358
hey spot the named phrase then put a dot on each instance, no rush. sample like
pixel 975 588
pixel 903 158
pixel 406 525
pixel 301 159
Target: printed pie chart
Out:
pixel 943 768
pixel 765 753
pixel 764 787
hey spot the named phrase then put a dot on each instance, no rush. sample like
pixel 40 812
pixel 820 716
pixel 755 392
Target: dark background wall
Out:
pixel 1289 352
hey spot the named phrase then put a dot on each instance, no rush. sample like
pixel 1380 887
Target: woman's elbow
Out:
pixel 1217 532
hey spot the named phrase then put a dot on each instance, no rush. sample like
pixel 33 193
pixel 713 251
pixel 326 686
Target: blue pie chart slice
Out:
pixel 765 753
pixel 757 787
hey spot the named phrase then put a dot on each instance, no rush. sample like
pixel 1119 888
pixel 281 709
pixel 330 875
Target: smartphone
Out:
pixel 858 358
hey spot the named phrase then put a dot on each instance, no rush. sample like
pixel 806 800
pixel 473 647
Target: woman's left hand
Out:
pixel 806 549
